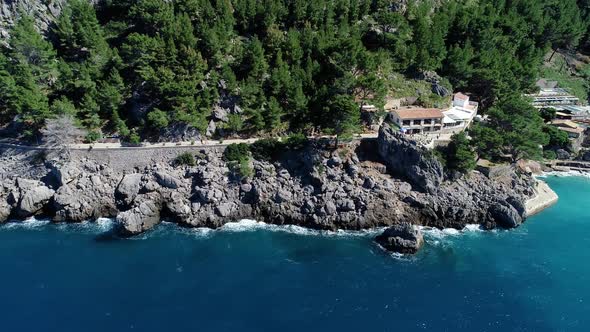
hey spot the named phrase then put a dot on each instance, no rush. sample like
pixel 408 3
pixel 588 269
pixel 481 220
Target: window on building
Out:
pixel 407 122
pixel 427 121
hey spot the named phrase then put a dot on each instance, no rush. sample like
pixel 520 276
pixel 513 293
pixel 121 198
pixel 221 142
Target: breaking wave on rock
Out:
pixel 105 225
pixel 30 223
pixel 564 174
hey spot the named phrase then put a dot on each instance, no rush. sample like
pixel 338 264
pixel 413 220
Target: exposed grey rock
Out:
pixel 5 209
pixel 246 187
pixel 562 154
pixel 128 189
pixel 224 209
pixel 211 128
pixel 179 132
pixel 353 194
pixel 33 200
pixel 403 238
pixel 369 183
pixel 178 207
pixel 346 204
pixel 407 159
pixel 167 180
pixel 330 208
pixel 219 114
pixel 440 90
pixel 65 174
pixel 141 218
pixel 43 12
pixel 505 215
pixel 334 161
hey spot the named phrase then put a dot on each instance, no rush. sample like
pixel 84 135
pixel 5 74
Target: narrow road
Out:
pixel 148 145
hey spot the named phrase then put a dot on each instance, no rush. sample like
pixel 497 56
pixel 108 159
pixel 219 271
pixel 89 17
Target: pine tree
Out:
pixel 28 48
pixel 272 116
pixel 345 116
pixel 460 156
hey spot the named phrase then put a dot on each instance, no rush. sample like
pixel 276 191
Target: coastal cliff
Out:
pixel 372 183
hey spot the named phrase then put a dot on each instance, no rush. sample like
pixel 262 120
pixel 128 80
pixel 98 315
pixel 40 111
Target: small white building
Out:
pixel 552 97
pixel 460 115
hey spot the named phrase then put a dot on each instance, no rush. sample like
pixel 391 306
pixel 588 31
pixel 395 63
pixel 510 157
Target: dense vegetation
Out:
pixel 137 67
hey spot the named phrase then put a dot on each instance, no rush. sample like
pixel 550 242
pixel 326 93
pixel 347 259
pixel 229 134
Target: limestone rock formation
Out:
pixel 403 238
pixel 44 13
pixel 313 187
pixel 141 218
pixel 128 189
pixel 31 198
pixel 404 157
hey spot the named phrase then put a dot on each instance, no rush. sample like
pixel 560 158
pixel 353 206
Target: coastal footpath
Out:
pixel 379 182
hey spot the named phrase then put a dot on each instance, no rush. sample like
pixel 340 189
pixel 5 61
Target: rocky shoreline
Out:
pixel 373 183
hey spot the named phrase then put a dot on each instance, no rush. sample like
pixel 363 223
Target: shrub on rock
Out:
pixel 185 158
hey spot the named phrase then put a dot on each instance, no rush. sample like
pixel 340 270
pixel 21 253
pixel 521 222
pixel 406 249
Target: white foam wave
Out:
pixel 30 223
pixel 437 236
pixel 97 226
pixel 473 228
pixel 246 225
pixel 564 174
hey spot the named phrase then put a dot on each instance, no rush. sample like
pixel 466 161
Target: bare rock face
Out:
pixel 167 180
pixel 312 187
pixel 143 217
pixel 506 215
pixel 4 211
pixel 405 158
pixel 43 12
pixel 6 189
pixel 128 189
pixel 32 197
pixel 403 238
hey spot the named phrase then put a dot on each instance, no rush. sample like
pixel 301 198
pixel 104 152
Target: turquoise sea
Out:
pixel 251 277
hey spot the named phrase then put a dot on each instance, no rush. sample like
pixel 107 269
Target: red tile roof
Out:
pixel 419 113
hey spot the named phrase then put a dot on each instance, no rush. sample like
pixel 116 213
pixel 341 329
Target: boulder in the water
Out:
pixel 403 238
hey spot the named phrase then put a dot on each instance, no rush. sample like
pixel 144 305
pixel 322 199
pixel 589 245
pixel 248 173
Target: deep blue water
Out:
pixel 69 278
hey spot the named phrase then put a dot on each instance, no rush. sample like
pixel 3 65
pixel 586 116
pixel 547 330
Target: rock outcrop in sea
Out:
pixel 403 238
pixel 372 183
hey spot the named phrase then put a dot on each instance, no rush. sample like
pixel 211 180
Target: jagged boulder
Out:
pixel 406 158
pixel 219 114
pixel 178 207
pixel 562 154
pixel 5 210
pixel 168 181
pixel 73 204
pixel 440 90
pixel 505 215
pixel 33 200
pixel 143 217
pixel 128 189
pixel 403 238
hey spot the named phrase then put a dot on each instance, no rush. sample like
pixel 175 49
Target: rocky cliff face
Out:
pixel 406 159
pixel 313 188
pixel 43 12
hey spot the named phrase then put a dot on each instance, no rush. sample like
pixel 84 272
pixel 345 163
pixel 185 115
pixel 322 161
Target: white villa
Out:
pixel 458 117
